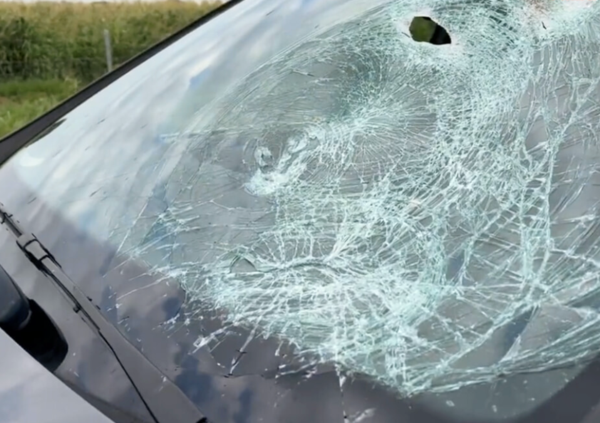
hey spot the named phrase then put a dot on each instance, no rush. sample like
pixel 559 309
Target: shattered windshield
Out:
pixel 423 215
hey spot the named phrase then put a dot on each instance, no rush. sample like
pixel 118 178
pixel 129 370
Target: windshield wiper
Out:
pixel 165 402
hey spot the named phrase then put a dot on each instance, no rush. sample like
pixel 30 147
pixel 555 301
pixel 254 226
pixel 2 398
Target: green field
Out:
pixel 22 101
pixel 49 50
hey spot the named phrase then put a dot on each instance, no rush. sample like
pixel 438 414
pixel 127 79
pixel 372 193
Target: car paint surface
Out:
pixel 239 377
pixel 29 393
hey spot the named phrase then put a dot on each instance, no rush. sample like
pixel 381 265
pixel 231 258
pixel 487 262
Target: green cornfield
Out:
pixel 65 40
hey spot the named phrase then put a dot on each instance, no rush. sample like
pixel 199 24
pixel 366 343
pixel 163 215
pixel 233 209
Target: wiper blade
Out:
pixel 165 402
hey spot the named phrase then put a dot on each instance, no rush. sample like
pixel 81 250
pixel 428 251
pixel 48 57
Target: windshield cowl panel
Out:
pixel 316 208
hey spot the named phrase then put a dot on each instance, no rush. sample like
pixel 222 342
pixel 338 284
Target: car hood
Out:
pixel 26 382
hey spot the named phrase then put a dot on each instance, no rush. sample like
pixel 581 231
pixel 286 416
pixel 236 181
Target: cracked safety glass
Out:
pixel 425 215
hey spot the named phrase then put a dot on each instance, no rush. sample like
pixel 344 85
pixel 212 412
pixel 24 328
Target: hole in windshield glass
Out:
pixel 425 29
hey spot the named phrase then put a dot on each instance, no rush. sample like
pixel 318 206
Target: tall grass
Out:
pixel 65 40
pixel 23 100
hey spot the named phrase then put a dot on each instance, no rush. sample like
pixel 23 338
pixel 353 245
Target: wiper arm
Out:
pixel 165 402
